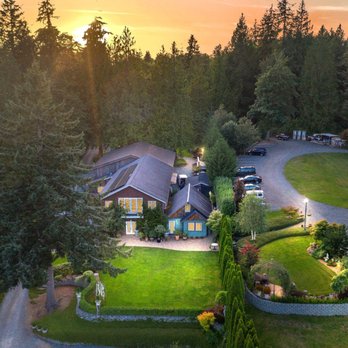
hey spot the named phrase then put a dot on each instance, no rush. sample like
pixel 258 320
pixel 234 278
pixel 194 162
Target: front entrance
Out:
pixel 131 227
pixel 172 226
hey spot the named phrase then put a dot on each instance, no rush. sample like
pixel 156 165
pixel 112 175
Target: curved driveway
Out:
pixel 278 191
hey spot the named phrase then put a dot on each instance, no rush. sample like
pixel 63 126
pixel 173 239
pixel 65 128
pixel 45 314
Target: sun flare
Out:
pixel 78 34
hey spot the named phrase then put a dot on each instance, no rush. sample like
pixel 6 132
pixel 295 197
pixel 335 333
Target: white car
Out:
pixel 257 193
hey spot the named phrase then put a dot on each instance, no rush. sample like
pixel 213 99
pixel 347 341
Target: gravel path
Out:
pixel 184 245
pixel 15 330
pixel 278 191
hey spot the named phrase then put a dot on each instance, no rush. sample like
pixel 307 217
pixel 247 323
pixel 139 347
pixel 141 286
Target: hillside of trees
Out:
pixel 279 74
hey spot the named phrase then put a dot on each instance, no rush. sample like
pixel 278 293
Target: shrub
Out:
pixel 160 230
pixel 62 270
pixel 249 255
pixel 291 211
pixel 339 283
pixel 344 262
pixel 220 298
pixel 218 312
pixel 214 221
pixel 318 253
pixel 206 320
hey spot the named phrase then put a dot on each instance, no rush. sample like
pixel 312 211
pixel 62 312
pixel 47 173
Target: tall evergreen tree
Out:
pixel 14 33
pixel 285 17
pixel 97 70
pixel 241 70
pixel 275 93
pixel 302 25
pixel 319 87
pixel 192 48
pixel 43 212
pixel 47 38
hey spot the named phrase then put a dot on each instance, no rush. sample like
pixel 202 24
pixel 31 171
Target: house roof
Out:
pixel 136 151
pixel 200 179
pixel 190 195
pixel 147 175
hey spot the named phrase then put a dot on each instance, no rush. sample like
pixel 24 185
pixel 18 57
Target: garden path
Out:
pixel 183 245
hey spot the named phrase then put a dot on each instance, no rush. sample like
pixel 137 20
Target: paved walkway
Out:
pixel 184 245
pixel 278 191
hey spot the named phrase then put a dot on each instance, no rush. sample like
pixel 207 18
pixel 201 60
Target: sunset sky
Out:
pixel 157 22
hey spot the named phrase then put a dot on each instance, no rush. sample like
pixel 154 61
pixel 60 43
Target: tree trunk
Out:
pixel 51 302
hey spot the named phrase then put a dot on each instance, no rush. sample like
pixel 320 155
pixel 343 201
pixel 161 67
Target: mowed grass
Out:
pixel 278 219
pixel 164 279
pixel 65 326
pixel 307 273
pixel 321 177
pixel 279 331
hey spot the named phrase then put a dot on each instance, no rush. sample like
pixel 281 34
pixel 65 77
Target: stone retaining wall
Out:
pixel 160 318
pixel 330 309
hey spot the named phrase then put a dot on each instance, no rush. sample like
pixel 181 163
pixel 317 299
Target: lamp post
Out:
pixel 97 305
pixel 305 201
pixel 78 298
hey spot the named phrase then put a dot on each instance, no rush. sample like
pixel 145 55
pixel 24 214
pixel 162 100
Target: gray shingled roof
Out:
pixel 151 176
pixel 201 178
pixel 136 151
pixel 190 195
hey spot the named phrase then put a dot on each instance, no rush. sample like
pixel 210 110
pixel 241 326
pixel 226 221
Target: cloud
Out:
pixel 113 13
pixel 330 8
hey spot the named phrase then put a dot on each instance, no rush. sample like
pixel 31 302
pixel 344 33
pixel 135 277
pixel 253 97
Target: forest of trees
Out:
pixel 278 74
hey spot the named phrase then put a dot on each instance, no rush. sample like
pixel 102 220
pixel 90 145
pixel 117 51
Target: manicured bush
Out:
pixel 224 195
pixel 220 298
pixel 339 283
pixel 62 270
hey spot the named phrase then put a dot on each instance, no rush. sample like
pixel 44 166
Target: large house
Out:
pixel 146 180
pixel 189 212
pixel 116 159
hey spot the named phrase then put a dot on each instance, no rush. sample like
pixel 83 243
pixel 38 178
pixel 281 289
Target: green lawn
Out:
pixel 278 331
pixel 164 280
pixel 66 327
pixel 278 219
pixel 321 177
pixel 305 271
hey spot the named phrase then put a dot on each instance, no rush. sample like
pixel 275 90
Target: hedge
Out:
pixel 224 195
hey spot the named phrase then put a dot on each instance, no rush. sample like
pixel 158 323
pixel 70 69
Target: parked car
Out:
pixel 282 136
pixel 257 151
pixel 245 170
pixel 251 179
pixel 250 187
pixel 257 193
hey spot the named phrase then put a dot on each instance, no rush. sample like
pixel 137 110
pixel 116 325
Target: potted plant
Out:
pixel 177 234
pixel 259 289
pixel 160 230
pixel 267 292
pixel 184 236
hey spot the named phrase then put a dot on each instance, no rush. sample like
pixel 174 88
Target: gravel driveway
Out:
pixel 278 191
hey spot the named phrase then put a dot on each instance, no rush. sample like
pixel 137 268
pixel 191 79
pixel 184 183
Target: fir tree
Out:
pixel 285 17
pixel 302 24
pixel 45 214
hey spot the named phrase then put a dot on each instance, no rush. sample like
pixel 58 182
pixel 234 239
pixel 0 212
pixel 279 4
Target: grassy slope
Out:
pixel 277 331
pixel 127 334
pixel 278 219
pixel 164 279
pixel 321 177
pixel 305 271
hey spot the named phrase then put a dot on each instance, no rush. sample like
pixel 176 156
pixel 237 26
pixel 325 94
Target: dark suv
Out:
pixel 257 151
pixel 246 170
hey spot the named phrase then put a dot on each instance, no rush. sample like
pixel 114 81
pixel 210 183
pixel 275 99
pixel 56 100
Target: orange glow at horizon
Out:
pixel 160 22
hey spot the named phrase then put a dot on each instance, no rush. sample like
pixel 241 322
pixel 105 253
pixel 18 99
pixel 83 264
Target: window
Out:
pixel 107 204
pixel 100 189
pixel 131 205
pixel 152 204
pixel 198 226
pixel 191 226
pixel 171 226
pixel 187 208
pixel 195 226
